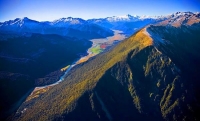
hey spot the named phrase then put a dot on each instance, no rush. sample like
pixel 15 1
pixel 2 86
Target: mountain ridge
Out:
pixel 141 73
pixel 72 27
pixel 128 24
pixel 84 84
pixel 126 17
pixel 185 18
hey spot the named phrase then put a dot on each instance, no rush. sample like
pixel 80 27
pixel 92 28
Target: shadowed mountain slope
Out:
pixel 153 75
pixel 27 62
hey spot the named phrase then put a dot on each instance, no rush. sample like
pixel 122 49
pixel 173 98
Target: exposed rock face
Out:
pixel 181 18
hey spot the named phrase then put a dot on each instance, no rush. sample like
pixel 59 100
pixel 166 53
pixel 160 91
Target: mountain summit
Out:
pixel 127 17
pixel 181 18
pixel 62 22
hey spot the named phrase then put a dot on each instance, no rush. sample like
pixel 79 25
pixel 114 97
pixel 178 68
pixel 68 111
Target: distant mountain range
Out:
pixel 77 27
pixel 128 24
pixel 152 75
pixel 72 27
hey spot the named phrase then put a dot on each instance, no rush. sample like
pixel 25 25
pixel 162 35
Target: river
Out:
pixel 98 45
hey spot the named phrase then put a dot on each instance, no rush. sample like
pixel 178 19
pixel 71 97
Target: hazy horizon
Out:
pixel 49 10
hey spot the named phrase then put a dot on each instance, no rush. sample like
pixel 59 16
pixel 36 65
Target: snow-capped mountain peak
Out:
pixel 181 18
pixel 68 19
pixel 18 21
pixel 178 14
pixel 127 17
pixel 132 18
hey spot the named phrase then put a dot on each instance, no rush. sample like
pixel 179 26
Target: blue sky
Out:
pixel 42 10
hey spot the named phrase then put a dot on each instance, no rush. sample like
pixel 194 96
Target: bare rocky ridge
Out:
pixel 181 18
